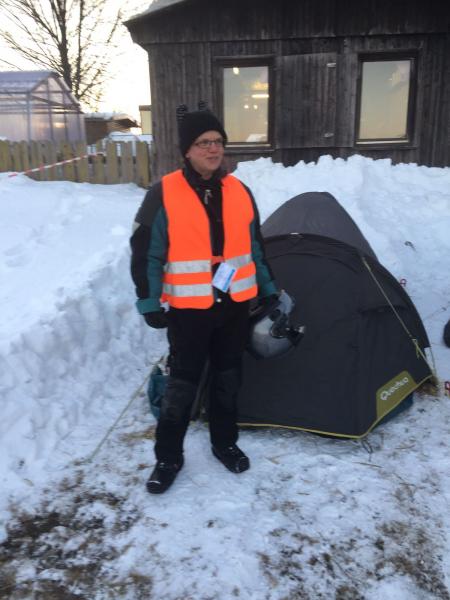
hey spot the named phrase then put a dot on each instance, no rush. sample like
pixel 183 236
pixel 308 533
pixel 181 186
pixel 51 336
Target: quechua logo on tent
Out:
pixel 393 392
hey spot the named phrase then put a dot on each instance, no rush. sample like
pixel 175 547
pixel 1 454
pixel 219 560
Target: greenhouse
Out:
pixel 38 105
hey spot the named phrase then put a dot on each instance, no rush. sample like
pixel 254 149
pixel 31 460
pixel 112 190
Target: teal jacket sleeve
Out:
pixel 264 275
pixel 149 244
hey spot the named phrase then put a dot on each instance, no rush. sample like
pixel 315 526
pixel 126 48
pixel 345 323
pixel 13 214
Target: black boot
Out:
pixel 222 419
pixel 170 431
pixel 162 477
pixel 222 407
pixel 232 457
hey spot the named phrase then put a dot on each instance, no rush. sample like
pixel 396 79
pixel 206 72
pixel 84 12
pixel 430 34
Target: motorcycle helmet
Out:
pixel 271 333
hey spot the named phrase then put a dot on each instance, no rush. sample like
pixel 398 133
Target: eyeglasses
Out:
pixel 204 144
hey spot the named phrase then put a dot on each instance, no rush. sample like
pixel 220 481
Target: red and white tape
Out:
pixel 56 164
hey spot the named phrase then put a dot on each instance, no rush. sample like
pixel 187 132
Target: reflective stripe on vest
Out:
pixel 242 284
pixel 188 266
pixel 181 291
pixel 240 261
pixel 187 281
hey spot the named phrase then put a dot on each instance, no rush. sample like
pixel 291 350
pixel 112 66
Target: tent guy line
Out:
pixel 413 340
pixel 133 397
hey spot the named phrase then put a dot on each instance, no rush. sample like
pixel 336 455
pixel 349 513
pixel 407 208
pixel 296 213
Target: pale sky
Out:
pixel 129 86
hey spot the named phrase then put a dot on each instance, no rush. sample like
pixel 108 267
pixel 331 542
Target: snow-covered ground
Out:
pixel 313 518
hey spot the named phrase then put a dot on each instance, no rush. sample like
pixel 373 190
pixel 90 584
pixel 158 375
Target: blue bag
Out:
pixel 157 386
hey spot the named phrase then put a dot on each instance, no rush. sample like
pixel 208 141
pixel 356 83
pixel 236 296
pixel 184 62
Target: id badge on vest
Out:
pixel 223 277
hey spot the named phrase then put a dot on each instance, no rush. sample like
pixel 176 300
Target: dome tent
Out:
pixel 362 354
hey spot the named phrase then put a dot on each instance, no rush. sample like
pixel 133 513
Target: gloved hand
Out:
pixel 268 300
pixel 157 319
pixel 263 306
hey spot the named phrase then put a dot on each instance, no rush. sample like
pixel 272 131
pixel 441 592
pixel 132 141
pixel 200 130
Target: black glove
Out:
pixel 263 306
pixel 268 300
pixel 157 320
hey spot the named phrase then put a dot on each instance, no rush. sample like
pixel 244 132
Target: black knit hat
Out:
pixel 192 124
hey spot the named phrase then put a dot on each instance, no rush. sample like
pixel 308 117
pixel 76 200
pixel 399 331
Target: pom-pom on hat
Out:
pixel 192 124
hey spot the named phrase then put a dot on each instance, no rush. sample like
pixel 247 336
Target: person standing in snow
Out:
pixel 197 247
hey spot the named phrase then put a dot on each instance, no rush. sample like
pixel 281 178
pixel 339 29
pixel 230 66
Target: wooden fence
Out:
pixel 113 162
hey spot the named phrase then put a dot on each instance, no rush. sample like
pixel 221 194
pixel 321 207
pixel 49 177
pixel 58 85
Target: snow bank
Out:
pixel 71 342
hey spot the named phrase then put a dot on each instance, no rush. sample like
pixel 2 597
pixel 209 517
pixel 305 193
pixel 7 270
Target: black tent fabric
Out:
pixel 318 213
pixel 362 354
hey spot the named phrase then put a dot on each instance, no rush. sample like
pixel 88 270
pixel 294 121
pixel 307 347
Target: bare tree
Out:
pixel 75 38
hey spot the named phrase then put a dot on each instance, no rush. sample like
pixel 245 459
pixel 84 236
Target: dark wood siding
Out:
pixel 307 87
pixel 434 109
pixel 372 17
pixel 179 73
pixel 203 20
pixel 243 48
pixel 313 18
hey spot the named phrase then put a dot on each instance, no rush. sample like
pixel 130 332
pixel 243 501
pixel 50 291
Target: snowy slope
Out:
pixel 71 343
pixel 313 518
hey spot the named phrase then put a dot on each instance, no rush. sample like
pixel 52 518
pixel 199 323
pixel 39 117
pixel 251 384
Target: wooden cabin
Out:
pixel 296 79
pixel 100 125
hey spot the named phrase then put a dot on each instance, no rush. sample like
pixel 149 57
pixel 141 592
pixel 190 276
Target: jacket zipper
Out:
pixel 207 195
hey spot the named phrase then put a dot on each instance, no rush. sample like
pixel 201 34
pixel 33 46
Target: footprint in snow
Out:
pixel 16 256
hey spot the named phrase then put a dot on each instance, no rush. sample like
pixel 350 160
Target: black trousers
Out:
pixel 218 333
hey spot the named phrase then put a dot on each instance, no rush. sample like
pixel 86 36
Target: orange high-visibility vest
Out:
pixel 187 280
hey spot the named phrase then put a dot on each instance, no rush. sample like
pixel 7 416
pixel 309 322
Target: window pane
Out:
pixel 246 104
pixel 384 100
